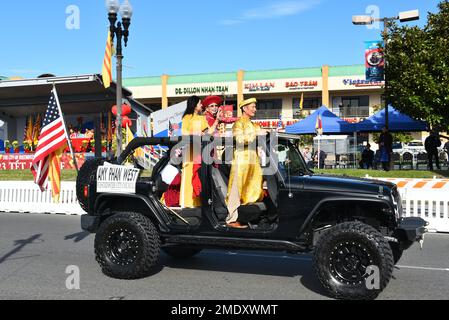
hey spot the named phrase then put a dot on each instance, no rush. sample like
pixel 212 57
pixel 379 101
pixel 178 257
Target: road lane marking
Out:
pixel 310 259
pixel 424 268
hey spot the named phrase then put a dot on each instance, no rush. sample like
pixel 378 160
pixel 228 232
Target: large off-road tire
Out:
pixel 181 252
pixel 86 175
pixel 342 256
pixel 127 246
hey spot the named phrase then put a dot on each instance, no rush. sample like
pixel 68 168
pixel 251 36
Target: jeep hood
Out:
pixel 345 184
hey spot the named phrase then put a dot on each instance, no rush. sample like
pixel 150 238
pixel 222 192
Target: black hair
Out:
pixel 192 103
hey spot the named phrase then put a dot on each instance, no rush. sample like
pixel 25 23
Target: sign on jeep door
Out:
pixel 117 179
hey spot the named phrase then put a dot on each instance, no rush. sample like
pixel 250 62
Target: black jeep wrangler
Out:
pixel 350 225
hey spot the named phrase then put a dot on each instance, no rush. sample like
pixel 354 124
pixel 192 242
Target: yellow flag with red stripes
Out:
pixel 107 63
pixel 138 153
pixel 29 130
pixel 37 130
pixel 54 173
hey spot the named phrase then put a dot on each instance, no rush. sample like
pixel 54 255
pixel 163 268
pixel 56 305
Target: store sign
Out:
pixel 260 87
pixel 301 85
pixel 362 83
pixel 24 161
pixel 352 120
pixel 201 90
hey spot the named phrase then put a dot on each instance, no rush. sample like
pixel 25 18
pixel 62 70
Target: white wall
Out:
pixel 11 133
pixel 287 108
pixel 12 129
pixel 3 129
pixel 20 129
pixel 375 99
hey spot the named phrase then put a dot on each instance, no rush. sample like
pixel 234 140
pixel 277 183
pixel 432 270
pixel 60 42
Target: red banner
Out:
pixel 23 161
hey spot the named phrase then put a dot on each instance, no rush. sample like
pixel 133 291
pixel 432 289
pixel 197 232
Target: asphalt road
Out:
pixel 35 251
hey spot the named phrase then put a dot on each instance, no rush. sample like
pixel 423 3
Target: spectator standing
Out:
pixel 446 149
pixel 367 157
pixel 320 157
pixel 432 144
pixel 386 148
pixel 308 157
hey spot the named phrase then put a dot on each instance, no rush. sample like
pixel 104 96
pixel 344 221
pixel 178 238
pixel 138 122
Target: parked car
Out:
pixel 399 147
pixel 415 146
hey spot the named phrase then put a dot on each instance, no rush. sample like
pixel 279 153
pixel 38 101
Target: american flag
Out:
pixel 172 129
pixel 52 138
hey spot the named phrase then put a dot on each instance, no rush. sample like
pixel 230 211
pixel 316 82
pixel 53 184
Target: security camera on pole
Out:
pixel 126 13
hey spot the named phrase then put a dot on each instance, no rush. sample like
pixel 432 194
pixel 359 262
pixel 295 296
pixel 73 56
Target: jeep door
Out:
pixel 293 207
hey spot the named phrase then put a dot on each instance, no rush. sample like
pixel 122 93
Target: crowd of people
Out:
pixel 314 159
pixel 86 134
pixel 384 156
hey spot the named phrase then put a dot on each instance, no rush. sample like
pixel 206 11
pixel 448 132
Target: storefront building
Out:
pixel 343 89
pixel 279 92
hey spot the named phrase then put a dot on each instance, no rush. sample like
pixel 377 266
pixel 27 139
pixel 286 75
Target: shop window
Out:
pixel 309 104
pixel 269 109
pixel 349 107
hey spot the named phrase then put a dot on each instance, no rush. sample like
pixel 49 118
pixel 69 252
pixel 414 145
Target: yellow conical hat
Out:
pixel 247 102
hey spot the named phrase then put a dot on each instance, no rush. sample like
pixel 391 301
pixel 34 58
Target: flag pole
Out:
pixel 319 132
pixel 319 150
pixel 65 129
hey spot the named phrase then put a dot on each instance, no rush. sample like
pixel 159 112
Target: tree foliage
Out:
pixel 306 140
pixel 397 137
pixel 417 70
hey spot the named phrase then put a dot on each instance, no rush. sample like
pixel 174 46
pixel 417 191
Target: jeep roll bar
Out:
pixel 180 142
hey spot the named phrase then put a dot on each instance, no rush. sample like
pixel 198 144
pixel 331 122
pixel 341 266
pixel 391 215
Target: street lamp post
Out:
pixel 120 32
pixel 368 20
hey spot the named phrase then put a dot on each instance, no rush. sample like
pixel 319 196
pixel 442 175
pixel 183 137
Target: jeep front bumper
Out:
pixel 413 228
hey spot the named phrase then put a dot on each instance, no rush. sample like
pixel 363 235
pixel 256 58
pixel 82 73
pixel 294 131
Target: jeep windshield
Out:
pixel 290 160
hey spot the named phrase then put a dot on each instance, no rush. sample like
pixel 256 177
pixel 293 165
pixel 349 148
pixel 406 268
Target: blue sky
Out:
pixel 198 36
